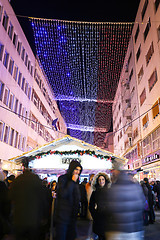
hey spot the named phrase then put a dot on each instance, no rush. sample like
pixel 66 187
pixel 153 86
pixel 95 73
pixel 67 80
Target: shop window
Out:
pixel 11 64
pixel 1 51
pixel 10 30
pixel 147 29
pixel 136 34
pixel 6 59
pixel 138 53
pixel 144 9
pixel 143 96
pixel 152 80
pixel 156 4
pixel 149 53
pixel 156 108
pixel 5 20
pixel 145 121
pixel 140 74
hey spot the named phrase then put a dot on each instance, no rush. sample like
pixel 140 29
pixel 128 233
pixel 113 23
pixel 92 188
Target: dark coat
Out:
pixel 124 206
pixel 97 205
pixel 67 198
pixel 29 200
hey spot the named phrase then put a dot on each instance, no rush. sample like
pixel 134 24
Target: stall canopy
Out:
pixel 54 157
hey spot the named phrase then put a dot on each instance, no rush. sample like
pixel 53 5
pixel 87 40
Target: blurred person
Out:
pixel 157 191
pixel 150 201
pixel 100 185
pixel 84 182
pixel 146 208
pixel 124 207
pixel 5 208
pixel 83 201
pixel 53 188
pixel 67 202
pixel 89 190
pixel 29 206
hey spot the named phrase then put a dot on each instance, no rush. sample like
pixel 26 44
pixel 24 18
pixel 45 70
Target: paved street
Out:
pixel 152 231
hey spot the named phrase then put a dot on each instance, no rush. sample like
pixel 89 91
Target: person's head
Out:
pixel 91 176
pixel 53 184
pixel 100 180
pixel 146 180
pixel 74 168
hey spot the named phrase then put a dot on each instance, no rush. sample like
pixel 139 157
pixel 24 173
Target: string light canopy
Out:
pixel 83 62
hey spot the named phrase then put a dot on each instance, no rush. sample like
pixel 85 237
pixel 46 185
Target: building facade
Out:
pixel 27 106
pixel 141 75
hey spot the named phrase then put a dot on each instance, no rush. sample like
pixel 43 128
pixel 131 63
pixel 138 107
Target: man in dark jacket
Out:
pixel 67 202
pixel 124 205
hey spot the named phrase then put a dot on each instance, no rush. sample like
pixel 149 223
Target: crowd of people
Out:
pixel 117 206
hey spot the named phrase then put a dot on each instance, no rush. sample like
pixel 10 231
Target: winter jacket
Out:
pixel 124 206
pixel 68 197
pixel 97 205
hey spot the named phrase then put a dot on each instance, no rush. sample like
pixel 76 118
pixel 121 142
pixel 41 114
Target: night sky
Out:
pixel 84 10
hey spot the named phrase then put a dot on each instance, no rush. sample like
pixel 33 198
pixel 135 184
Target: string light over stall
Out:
pixel 83 62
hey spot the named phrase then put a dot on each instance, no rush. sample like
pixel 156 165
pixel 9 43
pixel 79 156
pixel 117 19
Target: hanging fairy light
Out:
pixel 83 62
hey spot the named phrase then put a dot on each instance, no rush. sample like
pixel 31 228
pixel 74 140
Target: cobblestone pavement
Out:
pixel 152 231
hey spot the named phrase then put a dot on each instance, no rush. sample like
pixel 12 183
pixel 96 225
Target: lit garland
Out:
pixel 79 152
pixel 83 62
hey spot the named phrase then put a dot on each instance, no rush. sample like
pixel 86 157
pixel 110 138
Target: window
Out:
pixel 135 133
pixel 6 134
pixel 1 130
pixel 11 137
pixel 5 59
pixel 20 110
pixel 19 78
pixel 138 53
pixel 10 30
pixel 143 96
pixel 131 74
pixel 15 39
pixel 26 59
pixel 23 83
pixel 145 121
pixel 11 101
pixel 5 20
pixel 41 129
pixel 6 96
pixel 11 64
pixel 19 141
pixel 1 90
pixel 29 92
pixel 147 29
pixel 23 53
pixel 26 88
pixel 156 108
pixel 31 71
pixel 132 92
pixel 15 73
pixel 19 45
pixel 149 53
pixel 144 8
pixel 1 11
pixel 1 51
pixel 158 33
pixel 136 34
pixel 23 143
pixel 29 65
pixel 147 145
pixel 156 4
pixel 140 74
pixel 16 139
pixel 16 105
pixel 156 139
pixel 134 112
pixel 152 80
pixel 33 122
